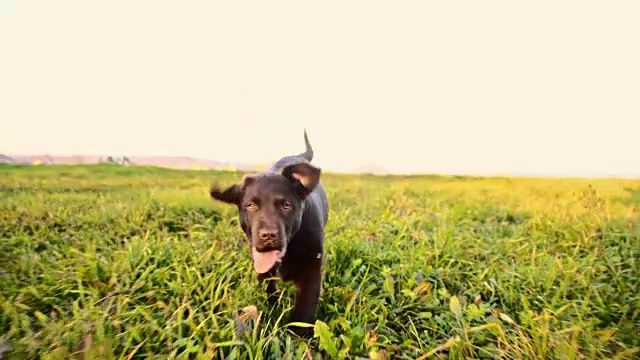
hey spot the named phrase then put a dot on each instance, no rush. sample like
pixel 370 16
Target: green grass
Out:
pixel 120 262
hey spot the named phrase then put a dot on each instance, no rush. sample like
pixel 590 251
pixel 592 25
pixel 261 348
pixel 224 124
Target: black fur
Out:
pixel 289 207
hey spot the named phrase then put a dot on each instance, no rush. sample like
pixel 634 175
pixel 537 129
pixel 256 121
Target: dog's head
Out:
pixel 270 208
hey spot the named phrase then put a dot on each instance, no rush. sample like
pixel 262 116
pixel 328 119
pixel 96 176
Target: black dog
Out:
pixel 283 212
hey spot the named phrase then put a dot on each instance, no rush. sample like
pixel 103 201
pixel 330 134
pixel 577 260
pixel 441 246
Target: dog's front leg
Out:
pixel 306 301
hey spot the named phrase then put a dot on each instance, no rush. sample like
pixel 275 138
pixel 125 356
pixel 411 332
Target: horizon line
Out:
pixel 353 171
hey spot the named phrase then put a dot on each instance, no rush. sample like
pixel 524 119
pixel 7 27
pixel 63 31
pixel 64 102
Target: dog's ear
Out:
pixel 233 193
pixel 304 176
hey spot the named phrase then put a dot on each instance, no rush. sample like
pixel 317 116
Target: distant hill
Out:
pixel 371 169
pixel 176 162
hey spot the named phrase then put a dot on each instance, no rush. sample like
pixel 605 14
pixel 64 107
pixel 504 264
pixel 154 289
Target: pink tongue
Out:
pixel 264 261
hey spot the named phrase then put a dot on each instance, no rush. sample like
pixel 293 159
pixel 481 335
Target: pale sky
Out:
pixel 471 87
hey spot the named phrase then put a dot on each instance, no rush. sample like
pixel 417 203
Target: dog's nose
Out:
pixel 268 234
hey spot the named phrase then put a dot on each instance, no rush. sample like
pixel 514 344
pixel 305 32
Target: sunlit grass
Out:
pixel 116 261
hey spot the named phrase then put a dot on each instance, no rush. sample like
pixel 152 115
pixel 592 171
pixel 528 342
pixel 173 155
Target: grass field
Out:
pixel 125 262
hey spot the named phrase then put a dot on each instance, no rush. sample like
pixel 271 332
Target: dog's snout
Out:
pixel 268 234
pixel 268 239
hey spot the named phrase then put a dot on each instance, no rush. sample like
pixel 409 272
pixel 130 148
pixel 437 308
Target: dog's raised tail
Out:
pixel 308 154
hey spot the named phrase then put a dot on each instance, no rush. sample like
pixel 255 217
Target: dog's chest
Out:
pixel 295 267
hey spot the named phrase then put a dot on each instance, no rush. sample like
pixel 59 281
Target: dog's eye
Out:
pixel 251 206
pixel 286 205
